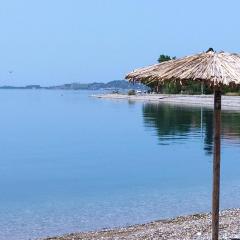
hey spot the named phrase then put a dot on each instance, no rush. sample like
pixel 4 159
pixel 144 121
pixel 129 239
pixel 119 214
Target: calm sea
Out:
pixel 70 162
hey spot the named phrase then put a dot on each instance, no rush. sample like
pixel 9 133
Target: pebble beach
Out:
pixel 196 226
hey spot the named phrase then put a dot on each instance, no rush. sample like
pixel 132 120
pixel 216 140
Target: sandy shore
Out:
pixel 228 102
pixel 181 228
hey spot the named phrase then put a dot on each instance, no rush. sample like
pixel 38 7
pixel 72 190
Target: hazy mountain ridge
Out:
pixel 114 85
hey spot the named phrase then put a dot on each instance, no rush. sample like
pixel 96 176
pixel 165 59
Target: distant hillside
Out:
pixel 113 85
pixel 24 87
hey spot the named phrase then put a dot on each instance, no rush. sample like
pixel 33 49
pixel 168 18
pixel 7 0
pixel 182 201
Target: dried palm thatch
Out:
pixel 210 67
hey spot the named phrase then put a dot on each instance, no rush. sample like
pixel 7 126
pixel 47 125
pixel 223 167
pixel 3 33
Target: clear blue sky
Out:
pixel 59 41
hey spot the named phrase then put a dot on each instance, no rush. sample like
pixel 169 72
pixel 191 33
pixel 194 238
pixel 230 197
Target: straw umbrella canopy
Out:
pixel 214 69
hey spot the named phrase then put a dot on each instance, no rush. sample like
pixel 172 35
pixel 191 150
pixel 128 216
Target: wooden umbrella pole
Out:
pixel 216 164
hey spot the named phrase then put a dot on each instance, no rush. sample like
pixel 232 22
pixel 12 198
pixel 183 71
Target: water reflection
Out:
pixel 173 123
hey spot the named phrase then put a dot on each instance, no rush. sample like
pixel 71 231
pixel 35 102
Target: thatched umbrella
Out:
pixel 214 69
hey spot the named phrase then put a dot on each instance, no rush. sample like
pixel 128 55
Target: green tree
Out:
pixel 163 58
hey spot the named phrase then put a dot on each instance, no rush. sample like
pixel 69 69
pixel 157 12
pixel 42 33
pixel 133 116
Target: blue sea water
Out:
pixel 70 162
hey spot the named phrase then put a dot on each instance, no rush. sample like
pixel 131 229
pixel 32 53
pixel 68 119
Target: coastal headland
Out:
pixel 228 102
